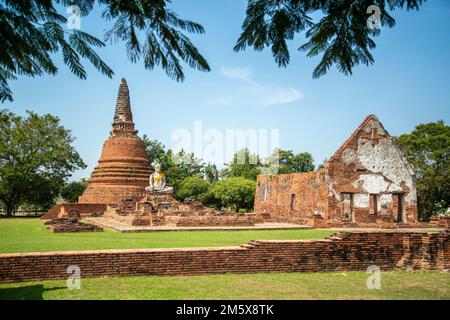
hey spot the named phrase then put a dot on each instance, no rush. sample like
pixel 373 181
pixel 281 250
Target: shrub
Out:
pixel 193 188
pixel 233 193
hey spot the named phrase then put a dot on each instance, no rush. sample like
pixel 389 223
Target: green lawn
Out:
pixel 339 285
pixel 30 235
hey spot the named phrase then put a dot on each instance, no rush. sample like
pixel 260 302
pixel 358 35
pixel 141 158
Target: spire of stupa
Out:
pixel 123 118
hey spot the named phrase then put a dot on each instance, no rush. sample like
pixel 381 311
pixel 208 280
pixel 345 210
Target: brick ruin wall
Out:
pixel 298 197
pixel 369 165
pixel 217 220
pixel 342 252
pixel 366 182
pixel 441 222
pixel 85 210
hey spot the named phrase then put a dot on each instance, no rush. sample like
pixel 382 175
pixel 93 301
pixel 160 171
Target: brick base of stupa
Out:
pixel 159 209
pixel 62 210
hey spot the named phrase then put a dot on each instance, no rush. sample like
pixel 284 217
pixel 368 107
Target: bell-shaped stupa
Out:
pixel 123 169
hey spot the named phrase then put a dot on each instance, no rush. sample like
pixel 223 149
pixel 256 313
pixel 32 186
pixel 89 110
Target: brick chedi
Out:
pixel 123 168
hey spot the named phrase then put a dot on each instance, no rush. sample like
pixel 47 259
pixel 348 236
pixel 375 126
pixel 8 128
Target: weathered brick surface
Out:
pixel 342 252
pixel 274 196
pixel 164 209
pixel 71 224
pixel 52 213
pixel 441 222
pixel 85 210
pixel 217 220
pixel 366 182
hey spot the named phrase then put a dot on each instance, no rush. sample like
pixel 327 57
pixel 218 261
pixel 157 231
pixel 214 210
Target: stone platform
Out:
pixel 163 210
pixel 126 228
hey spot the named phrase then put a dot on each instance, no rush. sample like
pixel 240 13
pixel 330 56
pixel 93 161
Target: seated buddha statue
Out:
pixel 157 182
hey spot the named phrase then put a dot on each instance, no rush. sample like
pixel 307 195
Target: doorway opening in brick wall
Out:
pixel 374 204
pixel 292 204
pixel 347 206
pixel 400 207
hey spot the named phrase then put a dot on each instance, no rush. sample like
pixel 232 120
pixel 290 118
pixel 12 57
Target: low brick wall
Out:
pixel 52 213
pixel 217 220
pixel 342 252
pixel 441 222
pixel 85 209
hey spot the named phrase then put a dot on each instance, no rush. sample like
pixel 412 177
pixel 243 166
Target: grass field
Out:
pixel 30 235
pixel 340 285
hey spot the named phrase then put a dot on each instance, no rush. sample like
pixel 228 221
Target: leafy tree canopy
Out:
pixel 211 172
pixel 233 193
pixel 33 30
pixel 341 35
pixel 289 162
pixel 193 188
pixel 72 190
pixel 155 150
pixel 36 157
pixel 427 148
pixel 244 164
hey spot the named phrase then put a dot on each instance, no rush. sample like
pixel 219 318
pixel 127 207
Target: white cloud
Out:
pixel 281 96
pixel 252 92
pixel 239 73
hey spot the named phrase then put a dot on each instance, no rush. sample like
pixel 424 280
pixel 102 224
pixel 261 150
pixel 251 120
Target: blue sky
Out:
pixel 408 84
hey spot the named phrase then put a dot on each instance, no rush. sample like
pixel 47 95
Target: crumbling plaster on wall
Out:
pixel 371 183
pixel 332 190
pixel 374 124
pixel 349 156
pixel 362 200
pixel 382 159
pixel 385 203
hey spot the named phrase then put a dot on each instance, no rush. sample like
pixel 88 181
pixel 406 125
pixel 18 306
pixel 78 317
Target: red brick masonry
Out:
pixel 342 252
pixel 85 210
pixel 440 222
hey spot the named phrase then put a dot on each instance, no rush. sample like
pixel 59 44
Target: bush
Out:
pixel 233 193
pixel 193 188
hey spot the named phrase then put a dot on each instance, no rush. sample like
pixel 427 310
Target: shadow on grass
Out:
pixel 34 292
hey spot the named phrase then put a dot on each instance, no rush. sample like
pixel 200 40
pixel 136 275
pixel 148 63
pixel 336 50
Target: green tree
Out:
pixel 288 162
pixel 193 188
pixel 211 172
pixel 36 154
pixel 340 34
pixel 244 164
pixel 43 196
pixel 427 148
pixel 32 31
pixel 179 166
pixel 155 150
pixel 234 193
pixel 72 190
